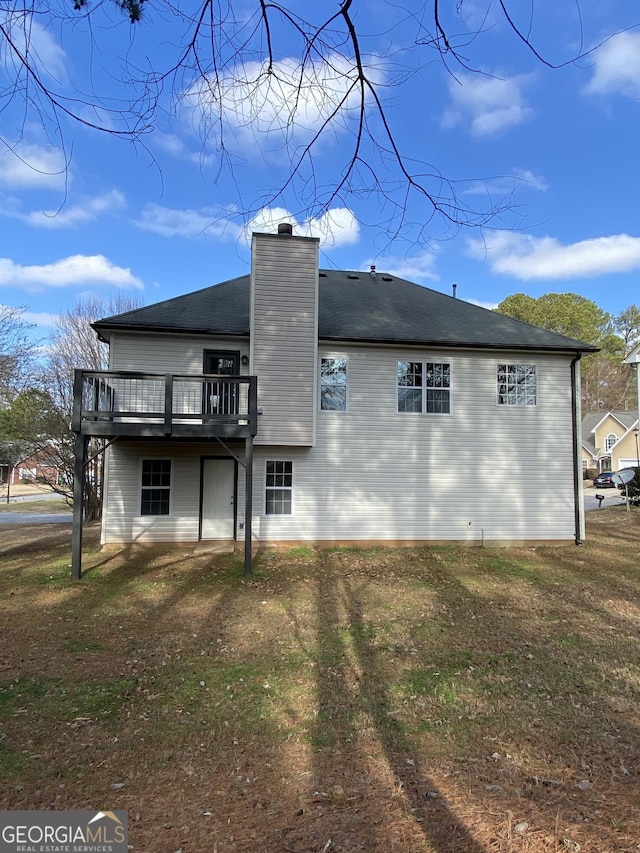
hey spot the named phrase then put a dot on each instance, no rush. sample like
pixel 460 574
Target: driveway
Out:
pixel 612 497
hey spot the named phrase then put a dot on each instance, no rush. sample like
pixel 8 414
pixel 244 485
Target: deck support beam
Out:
pixel 248 505
pixel 79 473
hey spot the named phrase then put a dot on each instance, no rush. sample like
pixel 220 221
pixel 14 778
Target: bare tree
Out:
pixel 17 353
pixel 73 345
pixel 293 81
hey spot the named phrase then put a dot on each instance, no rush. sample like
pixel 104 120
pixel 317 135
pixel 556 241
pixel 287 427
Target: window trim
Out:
pixel 321 384
pixel 517 402
pixel 609 444
pixel 143 488
pixel 290 489
pixel 424 388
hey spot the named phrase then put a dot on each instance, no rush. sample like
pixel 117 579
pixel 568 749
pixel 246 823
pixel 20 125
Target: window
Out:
pixel 424 387
pixel 516 384
pixel 279 488
pixel 156 487
pixel 333 384
pixel 609 441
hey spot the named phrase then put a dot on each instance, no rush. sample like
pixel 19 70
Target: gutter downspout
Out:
pixel 578 502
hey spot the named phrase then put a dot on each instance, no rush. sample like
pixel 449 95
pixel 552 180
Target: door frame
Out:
pixel 220 457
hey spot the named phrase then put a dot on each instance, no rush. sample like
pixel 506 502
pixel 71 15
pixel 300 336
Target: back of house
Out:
pixel 323 406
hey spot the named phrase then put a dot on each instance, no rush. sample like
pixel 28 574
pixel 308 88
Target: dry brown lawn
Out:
pixel 430 700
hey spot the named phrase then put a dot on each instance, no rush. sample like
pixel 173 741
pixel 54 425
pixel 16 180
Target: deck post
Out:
pixel 79 471
pixel 248 504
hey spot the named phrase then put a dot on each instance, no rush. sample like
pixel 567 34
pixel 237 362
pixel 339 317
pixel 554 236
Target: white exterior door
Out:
pixel 218 499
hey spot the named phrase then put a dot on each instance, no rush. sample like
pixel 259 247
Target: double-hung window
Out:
pixel 333 384
pixel 517 384
pixel 424 387
pixel 279 488
pixel 156 487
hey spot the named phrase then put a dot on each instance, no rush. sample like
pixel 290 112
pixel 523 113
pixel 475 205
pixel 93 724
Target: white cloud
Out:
pixel 490 105
pixel 176 147
pixel 68 216
pixel 541 258
pixel 508 184
pixel 29 166
pixel 40 319
pixel 45 54
pixel 75 270
pixel 271 105
pixel 336 227
pixel 617 67
pixel 418 268
pixel 170 222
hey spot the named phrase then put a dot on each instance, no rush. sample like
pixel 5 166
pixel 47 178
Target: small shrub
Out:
pixel 589 473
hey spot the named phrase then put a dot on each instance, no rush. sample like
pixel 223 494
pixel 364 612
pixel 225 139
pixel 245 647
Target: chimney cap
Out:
pixel 285 228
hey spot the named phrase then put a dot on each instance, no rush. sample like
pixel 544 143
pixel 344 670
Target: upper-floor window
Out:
pixel 156 487
pixel 424 386
pixel 517 384
pixel 279 488
pixel 333 384
pixel 609 441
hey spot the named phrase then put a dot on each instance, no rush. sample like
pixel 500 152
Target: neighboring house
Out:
pixel 37 466
pixel 304 405
pixel 610 440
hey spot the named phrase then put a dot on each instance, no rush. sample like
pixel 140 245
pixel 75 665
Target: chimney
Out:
pixel 372 271
pixel 285 228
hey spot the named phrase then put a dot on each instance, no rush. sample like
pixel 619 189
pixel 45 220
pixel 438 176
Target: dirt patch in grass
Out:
pixel 431 699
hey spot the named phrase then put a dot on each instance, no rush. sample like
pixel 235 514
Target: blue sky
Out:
pixel 83 212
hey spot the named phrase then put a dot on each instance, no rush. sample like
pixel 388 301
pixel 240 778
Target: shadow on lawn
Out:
pixel 351 688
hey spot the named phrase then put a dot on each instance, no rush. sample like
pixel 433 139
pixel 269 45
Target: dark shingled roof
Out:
pixel 353 306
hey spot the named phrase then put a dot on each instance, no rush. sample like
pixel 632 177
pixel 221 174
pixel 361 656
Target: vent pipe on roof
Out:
pixel 372 271
pixel 454 288
pixel 285 228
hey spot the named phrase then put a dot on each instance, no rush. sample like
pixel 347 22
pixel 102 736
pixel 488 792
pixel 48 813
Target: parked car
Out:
pixel 604 481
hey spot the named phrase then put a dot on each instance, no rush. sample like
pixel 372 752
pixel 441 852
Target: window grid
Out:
pixel 424 387
pixel 279 488
pixel 609 441
pixel 516 384
pixel 333 384
pixel 156 487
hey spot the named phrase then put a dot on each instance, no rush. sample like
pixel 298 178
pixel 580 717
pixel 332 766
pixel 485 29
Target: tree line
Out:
pixel 36 377
pixel 607 383
pixel 36 394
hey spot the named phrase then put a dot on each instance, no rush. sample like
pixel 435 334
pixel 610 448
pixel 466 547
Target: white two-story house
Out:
pixel 301 405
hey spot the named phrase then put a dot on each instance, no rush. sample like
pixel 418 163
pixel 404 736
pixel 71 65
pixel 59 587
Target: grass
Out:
pixel 436 699
pixel 50 506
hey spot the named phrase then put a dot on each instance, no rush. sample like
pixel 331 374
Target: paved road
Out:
pixel 35 517
pixel 612 497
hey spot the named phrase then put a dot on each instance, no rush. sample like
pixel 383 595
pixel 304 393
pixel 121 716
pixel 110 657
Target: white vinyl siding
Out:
pixel 177 354
pixel 284 337
pixel 485 473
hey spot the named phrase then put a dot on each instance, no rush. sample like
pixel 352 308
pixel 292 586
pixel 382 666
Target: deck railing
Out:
pixel 132 403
